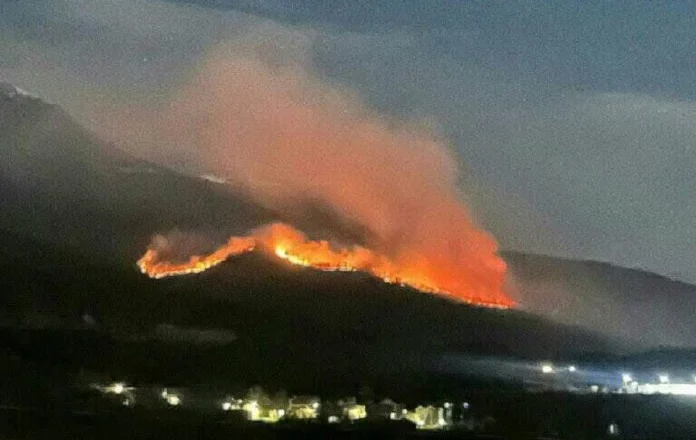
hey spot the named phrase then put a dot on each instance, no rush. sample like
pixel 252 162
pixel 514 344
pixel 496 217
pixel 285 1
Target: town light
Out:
pixel 118 388
pixel 115 388
pixel 664 378
pixel 547 368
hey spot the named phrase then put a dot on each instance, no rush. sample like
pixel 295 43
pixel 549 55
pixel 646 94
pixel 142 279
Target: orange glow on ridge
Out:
pixel 292 246
pixel 151 265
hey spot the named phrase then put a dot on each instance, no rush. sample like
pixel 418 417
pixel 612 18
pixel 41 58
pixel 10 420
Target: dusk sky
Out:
pixel 573 120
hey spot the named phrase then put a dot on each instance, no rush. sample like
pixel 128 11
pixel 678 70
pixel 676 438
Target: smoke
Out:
pixel 179 245
pixel 272 128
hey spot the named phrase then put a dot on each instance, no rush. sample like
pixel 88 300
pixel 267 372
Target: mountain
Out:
pixel 77 213
pixel 61 184
pixel 629 304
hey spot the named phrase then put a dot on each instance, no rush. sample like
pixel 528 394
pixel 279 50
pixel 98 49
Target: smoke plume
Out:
pixel 273 129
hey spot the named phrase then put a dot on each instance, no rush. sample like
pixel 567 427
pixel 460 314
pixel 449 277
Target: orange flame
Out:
pixel 292 246
pixel 151 265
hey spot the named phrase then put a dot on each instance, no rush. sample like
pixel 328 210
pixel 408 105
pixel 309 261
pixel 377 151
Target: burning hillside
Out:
pixel 271 128
pixel 292 246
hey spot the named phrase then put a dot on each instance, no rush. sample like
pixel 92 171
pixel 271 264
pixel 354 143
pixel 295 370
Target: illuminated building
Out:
pixel 547 368
pixel 265 415
pixel 354 412
pixel 663 385
pixel 125 394
pixel 252 410
pixel 681 389
pixel 346 409
pixel 447 412
pixel 304 407
pixel 172 398
pixel 428 417
pixel 232 404
pixel 117 388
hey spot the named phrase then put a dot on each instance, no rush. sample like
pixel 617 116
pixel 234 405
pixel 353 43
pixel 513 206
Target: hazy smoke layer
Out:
pixel 275 130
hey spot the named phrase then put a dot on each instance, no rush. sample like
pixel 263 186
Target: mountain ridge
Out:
pixel 103 216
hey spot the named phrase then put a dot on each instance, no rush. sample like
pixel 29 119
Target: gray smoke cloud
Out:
pixel 273 128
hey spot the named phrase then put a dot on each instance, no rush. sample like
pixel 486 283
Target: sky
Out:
pixel 572 120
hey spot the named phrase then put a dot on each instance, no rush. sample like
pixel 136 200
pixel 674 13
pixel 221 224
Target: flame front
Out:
pixel 292 246
pixel 151 265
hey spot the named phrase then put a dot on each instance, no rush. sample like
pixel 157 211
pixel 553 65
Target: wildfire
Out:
pixel 151 265
pixel 294 247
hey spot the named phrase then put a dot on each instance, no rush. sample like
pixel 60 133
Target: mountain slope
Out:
pixel 77 213
pixel 301 329
pixel 625 303
pixel 61 184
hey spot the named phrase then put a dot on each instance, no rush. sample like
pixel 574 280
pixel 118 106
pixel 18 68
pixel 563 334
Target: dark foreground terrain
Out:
pixel 510 415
